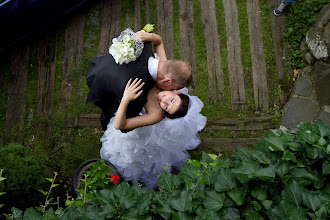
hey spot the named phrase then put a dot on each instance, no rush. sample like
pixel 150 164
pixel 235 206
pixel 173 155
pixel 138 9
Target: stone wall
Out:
pixel 310 97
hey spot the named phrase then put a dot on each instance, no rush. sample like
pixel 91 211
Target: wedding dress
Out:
pixel 143 153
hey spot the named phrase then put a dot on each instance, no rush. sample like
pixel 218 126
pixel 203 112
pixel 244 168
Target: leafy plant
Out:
pixel 301 16
pixel 25 175
pixel 283 177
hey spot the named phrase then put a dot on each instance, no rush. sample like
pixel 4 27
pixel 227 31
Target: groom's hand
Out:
pixel 133 90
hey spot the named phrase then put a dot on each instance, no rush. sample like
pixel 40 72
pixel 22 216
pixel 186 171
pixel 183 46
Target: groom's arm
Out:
pixel 156 41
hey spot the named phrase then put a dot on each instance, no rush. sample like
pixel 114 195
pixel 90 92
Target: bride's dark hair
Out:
pixel 182 110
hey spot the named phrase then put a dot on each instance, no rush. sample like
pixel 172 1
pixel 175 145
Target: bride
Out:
pixel 167 127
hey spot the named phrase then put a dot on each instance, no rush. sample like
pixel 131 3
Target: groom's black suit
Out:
pixel 107 80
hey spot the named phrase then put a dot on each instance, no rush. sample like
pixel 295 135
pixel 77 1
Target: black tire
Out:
pixel 79 174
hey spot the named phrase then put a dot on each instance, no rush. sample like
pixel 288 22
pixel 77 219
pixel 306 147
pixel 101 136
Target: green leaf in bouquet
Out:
pixel 259 193
pixel 321 128
pixel 17 214
pixel 265 173
pixel 283 168
pixel 181 216
pixel 260 156
pixel 164 210
pixel 213 200
pixel 253 216
pixel 293 193
pixel 326 167
pixel 267 204
pixel 243 153
pixel 232 214
pixel 288 155
pixel 237 195
pixel 244 171
pixel 183 203
pixel 170 182
pixel 311 201
pixel 294 146
pixel 225 181
pixel 31 214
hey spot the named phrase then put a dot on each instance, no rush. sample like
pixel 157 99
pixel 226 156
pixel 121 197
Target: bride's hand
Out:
pixel 133 89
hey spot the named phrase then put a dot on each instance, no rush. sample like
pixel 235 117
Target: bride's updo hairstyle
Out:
pixel 182 110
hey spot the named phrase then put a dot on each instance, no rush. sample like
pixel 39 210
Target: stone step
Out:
pixel 220 145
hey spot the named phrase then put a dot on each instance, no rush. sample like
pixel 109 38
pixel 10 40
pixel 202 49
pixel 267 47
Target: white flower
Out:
pixel 122 52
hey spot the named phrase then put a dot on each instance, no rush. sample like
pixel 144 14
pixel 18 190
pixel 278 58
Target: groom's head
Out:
pixel 173 74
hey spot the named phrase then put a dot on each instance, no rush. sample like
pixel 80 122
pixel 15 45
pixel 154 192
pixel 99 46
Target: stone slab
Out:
pixel 303 87
pixel 218 145
pixel 325 117
pixel 299 110
pixel 321 80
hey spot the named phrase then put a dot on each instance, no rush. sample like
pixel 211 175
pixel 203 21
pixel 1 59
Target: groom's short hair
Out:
pixel 180 72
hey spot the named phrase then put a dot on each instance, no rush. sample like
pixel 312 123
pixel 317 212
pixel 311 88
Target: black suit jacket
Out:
pixel 107 80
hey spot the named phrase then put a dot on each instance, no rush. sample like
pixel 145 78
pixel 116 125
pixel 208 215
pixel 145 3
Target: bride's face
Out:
pixel 169 101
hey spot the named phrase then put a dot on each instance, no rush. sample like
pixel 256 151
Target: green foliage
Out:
pixel 25 175
pixel 283 177
pixel 301 16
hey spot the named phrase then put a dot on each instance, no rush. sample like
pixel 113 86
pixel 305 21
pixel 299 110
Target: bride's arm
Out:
pixel 157 42
pixel 132 91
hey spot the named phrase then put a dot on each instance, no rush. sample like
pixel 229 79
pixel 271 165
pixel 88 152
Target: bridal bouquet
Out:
pixel 128 46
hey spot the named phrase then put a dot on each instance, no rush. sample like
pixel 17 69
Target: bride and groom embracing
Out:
pixel 147 125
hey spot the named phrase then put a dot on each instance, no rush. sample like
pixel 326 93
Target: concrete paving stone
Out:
pixel 304 87
pixel 299 110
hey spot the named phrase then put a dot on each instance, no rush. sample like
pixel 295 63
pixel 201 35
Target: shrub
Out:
pixel 285 176
pixel 25 176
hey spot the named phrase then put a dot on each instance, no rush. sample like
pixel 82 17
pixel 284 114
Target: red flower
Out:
pixel 114 179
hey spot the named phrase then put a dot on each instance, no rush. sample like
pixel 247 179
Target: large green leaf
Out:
pixel 321 128
pixel 164 210
pixel 243 153
pixel 132 215
pixel 170 182
pixel 183 203
pixel 267 204
pixel 283 168
pixel 305 134
pixel 144 203
pixel 223 163
pixel 31 214
pixel 231 214
pixel 294 146
pixel 70 214
pixel 181 216
pixel 265 173
pixel 311 201
pixel 90 213
pixel 244 170
pixel 326 167
pixel 104 197
pixel 253 216
pixel 288 155
pixel 308 174
pixel 17 214
pixel 257 206
pixel 125 195
pixel 288 211
pixel 273 141
pixel 259 193
pixel 225 181
pixel 260 156
pixel 322 212
pixel 213 200
pixel 206 158
pixel 107 211
pixel 237 195
pixel 186 173
pixel 292 193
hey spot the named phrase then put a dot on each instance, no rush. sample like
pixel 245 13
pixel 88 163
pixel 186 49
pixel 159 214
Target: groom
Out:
pixel 107 79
